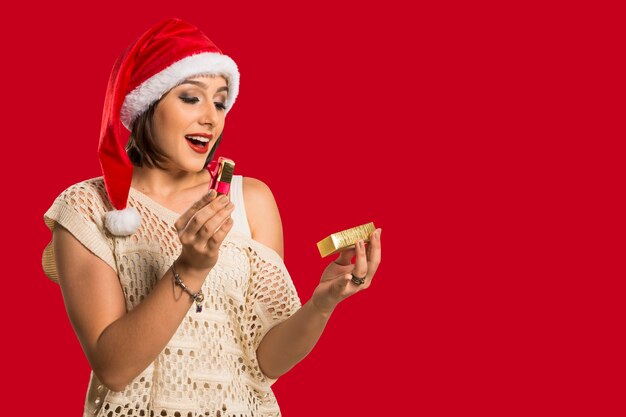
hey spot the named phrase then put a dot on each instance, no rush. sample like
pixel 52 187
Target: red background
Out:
pixel 483 137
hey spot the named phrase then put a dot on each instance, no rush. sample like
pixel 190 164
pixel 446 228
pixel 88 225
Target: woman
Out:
pixel 181 300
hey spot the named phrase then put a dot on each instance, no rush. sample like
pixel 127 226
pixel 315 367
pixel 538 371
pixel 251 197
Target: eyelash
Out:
pixel 189 100
pixel 194 100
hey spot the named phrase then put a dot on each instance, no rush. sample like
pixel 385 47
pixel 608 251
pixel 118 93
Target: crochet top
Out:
pixel 209 367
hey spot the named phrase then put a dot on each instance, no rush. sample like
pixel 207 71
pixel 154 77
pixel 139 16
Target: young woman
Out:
pixel 180 299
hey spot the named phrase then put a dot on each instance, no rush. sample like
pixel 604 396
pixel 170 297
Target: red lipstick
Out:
pixel 199 142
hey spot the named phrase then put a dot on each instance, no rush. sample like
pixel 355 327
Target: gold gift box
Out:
pixel 345 239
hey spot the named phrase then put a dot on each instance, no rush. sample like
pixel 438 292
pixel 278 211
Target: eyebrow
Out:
pixel 203 85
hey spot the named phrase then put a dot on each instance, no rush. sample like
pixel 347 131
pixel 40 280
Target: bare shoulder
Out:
pixel 256 189
pixel 263 215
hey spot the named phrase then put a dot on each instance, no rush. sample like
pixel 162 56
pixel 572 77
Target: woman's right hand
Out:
pixel 201 230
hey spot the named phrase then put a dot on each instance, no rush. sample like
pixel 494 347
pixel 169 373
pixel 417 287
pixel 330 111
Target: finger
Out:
pixel 218 237
pixel 212 216
pixel 204 234
pixel 342 283
pixel 182 221
pixel 207 213
pixel 212 225
pixel 360 266
pixel 374 253
pixel 345 257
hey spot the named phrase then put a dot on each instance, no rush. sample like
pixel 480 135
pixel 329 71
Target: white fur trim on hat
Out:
pixel 151 90
pixel 123 222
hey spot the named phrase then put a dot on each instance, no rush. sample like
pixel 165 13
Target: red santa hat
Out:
pixel 160 59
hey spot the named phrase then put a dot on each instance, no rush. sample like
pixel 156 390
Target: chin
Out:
pixel 189 166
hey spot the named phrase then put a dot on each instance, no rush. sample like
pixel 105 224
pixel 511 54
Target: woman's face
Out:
pixel 188 120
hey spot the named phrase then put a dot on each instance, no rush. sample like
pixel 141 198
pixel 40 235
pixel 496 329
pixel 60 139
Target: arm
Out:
pixel 290 341
pixel 120 345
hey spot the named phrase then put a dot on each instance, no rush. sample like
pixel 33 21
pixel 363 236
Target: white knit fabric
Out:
pixel 209 367
pixel 239 217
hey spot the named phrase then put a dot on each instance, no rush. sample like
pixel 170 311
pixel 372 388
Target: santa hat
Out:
pixel 160 59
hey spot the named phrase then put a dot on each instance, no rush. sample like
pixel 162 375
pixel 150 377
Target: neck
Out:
pixel 165 183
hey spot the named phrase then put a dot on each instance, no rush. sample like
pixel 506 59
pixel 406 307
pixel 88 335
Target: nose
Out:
pixel 210 115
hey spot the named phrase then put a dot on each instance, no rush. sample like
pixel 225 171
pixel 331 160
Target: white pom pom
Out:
pixel 123 222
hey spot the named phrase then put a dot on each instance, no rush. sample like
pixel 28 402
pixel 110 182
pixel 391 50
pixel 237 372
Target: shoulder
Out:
pixel 263 215
pixel 91 189
pixel 256 189
pixel 87 198
pixel 258 198
pixel 79 210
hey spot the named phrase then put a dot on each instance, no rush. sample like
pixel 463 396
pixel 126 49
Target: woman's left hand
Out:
pixel 337 282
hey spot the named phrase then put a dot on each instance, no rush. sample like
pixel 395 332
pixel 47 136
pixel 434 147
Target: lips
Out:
pixel 199 142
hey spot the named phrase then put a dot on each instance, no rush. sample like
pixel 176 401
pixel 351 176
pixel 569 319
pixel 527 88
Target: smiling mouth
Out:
pixel 198 144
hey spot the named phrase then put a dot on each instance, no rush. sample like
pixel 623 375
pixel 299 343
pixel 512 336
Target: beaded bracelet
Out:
pixel 198 297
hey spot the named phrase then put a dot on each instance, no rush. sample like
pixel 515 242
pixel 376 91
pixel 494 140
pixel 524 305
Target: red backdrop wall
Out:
pixel 481 136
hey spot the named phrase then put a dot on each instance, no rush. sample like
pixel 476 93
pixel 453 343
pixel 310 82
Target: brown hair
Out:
pixel 140 148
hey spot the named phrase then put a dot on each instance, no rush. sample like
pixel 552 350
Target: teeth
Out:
pixel 199 138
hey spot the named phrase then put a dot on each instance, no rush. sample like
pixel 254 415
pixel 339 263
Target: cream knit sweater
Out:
pixel 209 367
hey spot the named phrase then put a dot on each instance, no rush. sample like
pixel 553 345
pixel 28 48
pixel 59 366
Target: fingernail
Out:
pixel 212 193
pixel 378 233
pixel 224 198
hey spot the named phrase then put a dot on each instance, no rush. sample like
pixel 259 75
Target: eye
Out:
pixel 220 105
pixel 189 100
